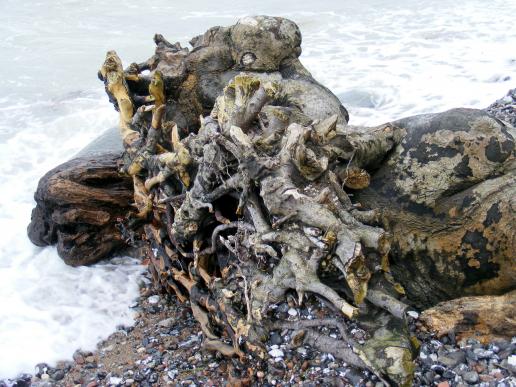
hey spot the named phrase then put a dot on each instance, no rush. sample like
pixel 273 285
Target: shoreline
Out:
pixel 163 348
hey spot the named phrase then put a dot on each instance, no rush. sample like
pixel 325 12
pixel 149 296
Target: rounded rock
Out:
pixel 470 377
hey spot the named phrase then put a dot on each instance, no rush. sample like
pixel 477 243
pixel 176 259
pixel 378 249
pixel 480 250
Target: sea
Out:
pixel 385 59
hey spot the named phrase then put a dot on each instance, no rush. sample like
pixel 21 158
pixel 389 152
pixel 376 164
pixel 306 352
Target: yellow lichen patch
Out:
pixel 157 89
pixel 330 238
pixel 112 73
pixel 415 342
pixel 390 352
pixel 474 263
pixel 357 277
pixel 356 178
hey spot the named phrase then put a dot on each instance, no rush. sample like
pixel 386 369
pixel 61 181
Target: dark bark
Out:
pixel 78 205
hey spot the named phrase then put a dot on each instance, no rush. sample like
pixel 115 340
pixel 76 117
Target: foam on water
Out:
pixel 48 309
pixel 385 60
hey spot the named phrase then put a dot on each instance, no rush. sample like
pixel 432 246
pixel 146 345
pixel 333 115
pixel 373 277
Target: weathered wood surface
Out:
pixel 485 318
pixel 264 47
pixel 78 203
pixel 447 194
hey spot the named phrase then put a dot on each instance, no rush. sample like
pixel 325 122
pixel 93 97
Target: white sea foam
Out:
pixel 385 60
pixel 48 309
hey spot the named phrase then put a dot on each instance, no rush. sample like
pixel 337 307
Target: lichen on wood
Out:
pixel 262 211
pixel 250 188
pixel 245 179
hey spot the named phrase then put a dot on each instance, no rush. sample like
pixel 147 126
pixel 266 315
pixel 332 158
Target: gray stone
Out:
pixel 275 339
pixel 483 353
pixel 429 377
pixel 167 323
pixel 470 377
pixel 452 359
pixel 58 375
pixel 471 355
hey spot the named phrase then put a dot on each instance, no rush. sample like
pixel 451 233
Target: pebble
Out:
pixel 153 378
pixel 167 323
pixel 77 356
pixel 156 359
pixel 283 308
pixel 275 339
pixel 115 381
pixel 470 377
pixel 452 359
pixel 276 352
pixel 483 353
pixel 138 376
pixel 471 355
pixel 41 369
pixel 58 375
pixel 438 369
pixel 505 108
pixel 413 314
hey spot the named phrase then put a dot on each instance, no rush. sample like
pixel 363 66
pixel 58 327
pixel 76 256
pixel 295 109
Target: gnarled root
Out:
pixel 253 207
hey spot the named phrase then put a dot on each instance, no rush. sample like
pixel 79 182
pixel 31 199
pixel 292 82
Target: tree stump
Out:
pixel 251 188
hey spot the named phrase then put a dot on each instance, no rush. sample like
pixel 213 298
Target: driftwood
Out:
pixel 485 318
pixel 250 187
pixel 447 195
pixel 79 204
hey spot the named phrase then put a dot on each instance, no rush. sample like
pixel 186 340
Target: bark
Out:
pixel 484 318
pixel 79 204
pixel 447 196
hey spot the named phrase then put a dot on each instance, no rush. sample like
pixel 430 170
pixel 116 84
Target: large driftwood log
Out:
pixel 78 204
pixel 251 202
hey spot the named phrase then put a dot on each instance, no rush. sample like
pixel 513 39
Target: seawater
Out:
pixel 384 59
